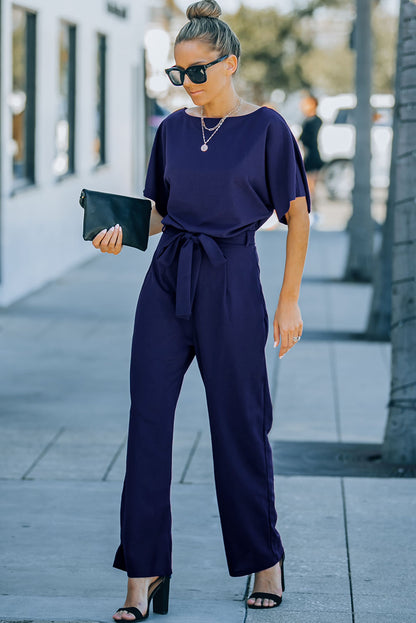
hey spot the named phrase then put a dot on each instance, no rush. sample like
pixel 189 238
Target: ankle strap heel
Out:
pixel 264 595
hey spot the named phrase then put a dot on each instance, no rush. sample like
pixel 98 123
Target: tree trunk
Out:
pixel 360 257
pixel 400 434
pixel 379 319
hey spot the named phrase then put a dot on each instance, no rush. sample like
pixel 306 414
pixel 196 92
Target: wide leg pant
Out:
pixel 201 296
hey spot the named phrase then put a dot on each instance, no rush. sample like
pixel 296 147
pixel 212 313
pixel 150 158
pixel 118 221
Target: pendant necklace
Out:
pixel 204 146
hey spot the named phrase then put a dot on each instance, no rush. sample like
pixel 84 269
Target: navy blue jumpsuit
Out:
pixel 202 296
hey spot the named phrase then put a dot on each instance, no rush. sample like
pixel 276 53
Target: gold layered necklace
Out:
pixel 204 146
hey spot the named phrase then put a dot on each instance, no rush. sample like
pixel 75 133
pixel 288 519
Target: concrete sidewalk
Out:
pixel 350 546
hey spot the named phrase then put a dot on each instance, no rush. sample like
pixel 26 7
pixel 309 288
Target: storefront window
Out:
pixel 64 162
pixel 22 98
pixel 100 109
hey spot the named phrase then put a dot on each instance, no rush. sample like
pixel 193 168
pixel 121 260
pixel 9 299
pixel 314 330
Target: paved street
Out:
pixel 64 401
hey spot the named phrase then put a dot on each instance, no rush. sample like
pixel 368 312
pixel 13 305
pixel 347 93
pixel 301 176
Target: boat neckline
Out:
pixel 235 116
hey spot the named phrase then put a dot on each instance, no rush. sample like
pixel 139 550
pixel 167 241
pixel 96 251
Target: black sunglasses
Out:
pixel 195 73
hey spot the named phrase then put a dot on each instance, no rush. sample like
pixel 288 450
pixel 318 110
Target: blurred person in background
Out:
pixel 216 173
pixel 309 139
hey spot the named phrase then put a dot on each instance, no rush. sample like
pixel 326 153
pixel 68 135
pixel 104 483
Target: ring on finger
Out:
pixel 296 338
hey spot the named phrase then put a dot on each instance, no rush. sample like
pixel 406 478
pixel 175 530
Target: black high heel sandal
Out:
pixel 273 596
pixel 160 596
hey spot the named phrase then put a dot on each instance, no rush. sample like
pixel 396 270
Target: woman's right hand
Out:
pixel 109 241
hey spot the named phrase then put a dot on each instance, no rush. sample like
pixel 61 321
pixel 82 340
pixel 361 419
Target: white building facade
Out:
pixel 72 117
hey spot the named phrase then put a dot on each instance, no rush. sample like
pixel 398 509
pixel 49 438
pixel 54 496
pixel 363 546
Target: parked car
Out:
pixel 336 142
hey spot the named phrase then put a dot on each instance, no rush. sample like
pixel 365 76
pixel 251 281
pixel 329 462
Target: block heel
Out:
pixel 161 598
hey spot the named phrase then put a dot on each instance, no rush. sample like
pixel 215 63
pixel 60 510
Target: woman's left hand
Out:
pixel 287 324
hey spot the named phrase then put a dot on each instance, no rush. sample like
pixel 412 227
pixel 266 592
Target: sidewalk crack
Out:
pixel 190 457
pixel 245 596
pixel 42 454
pixel 344 510
pixel 114 459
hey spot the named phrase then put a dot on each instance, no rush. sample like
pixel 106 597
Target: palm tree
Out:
pixel 399 445
pixel 379 318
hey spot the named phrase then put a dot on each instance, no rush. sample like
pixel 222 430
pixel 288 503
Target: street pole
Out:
pixel 360 258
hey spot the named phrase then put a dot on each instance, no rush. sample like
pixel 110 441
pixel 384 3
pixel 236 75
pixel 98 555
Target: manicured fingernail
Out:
pixel 102 231
pixel 281 356
pixel 111 228
pixel 274 345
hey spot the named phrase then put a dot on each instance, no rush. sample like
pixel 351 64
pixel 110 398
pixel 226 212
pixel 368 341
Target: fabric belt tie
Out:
pixel 190 247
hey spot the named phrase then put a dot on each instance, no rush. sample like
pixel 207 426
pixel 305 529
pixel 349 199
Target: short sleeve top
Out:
pixel 252 167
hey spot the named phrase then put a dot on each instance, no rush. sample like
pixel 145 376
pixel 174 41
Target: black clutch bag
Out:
pixel 103 210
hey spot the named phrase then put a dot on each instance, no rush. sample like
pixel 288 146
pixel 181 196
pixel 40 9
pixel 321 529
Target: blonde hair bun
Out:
pixel 204 25
pixel 204 8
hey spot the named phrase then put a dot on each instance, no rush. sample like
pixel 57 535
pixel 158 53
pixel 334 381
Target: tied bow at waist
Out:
pixel 190 246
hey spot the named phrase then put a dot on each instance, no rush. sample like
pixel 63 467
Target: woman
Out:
pixel 309 138
pixel 213 185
